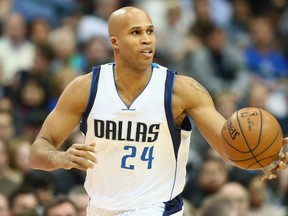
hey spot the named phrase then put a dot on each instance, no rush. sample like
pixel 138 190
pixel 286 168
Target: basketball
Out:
pixel 251 138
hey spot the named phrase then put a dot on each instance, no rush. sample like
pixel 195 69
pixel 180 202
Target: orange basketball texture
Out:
pixel 251 138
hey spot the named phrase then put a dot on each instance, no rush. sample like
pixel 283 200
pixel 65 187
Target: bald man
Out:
pixel 135 116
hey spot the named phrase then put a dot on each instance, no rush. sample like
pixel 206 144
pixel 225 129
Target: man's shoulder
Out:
pixel 81 81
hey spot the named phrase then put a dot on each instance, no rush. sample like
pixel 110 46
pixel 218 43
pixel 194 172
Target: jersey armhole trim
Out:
pixel 92 95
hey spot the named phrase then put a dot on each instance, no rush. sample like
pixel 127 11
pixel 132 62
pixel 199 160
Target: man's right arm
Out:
pixel 58 126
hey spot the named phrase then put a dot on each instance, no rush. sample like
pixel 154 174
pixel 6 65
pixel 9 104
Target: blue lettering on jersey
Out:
pixel 146 156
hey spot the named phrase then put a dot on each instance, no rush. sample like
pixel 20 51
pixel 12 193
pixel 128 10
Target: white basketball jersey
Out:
pixel 141 153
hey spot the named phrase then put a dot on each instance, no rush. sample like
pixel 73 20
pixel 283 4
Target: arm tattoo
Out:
pixel 199 87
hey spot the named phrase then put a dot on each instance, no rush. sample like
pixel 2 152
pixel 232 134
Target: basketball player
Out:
pixel 135 115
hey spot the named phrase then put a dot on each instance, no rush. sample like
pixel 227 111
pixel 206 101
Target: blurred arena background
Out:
pixel 238 49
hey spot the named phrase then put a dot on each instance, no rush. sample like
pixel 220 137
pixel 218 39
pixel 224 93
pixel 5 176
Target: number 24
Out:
pixel 147 155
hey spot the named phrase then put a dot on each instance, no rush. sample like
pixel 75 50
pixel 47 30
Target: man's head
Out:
pixel 79 196
pixel 4 207
pixel 7 126
pixel 132 36
pixel 213 175
pixel 23 200
pixel 218 205
pixel 60 206
pixel 239 194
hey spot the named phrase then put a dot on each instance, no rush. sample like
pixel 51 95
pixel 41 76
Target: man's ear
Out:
pixel 113 42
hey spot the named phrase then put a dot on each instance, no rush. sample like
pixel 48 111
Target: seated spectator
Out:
pixel 16 51
pixel 4 206
pixel 7 126
pixel 101 10
pixel 23 201
pixel 212 175
pixel 43 183
pixel 6 104
pixel 238 28
pixel 259 203
pixel 5 170
pixel 61 205
pixel 262 96
pixel 218 205
pixel 203 21
pixel 79 196
pixel 238 194
pixel 95 52
pixel 66 55
pixel 39 31
pixel 265 59
pixel 59 81
pixel 9 179
pixel 31 102
pixel 219 66
pixel 19 149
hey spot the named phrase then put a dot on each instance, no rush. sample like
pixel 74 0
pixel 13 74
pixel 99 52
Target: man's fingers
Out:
pixel 81 156
pixel 285 140
pixel 83 162
pixel 90 147
pixel 285 159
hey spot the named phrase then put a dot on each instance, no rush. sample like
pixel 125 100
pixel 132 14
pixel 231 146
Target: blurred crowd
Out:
pixel 237 49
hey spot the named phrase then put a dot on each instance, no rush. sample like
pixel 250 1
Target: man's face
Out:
pixel 6 126
pixel 64 209
pixel 25 202
pixel 4 209
pixel 136 39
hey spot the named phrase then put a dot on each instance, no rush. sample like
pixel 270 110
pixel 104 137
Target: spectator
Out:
pixel 23 201
pixel 218 205
pixel 226 103
pixel 5 10
pixel 8 177
pixel 43 183
pixel 238 28
pixel 212 175
pixel 79 196
pixel 60 206
pixel 19 149
pixel 59 81
pixel 6 104
pixel 264 59
pixel 66 55
pixel 32 105
pixel 261 96
pixel 16 52
pixel 260 205
pixel 238 194
pixel 40 69
pixel 172 36
pixel 4 206
pixel 101 10
pixel 31 88
pixel 4 88
pixel 203 20
pixel 95 52
pixel 7 126
pixel 39 31
pixel 219 66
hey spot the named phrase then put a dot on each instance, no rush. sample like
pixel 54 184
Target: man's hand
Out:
pixel 79 156
pixel 271 171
